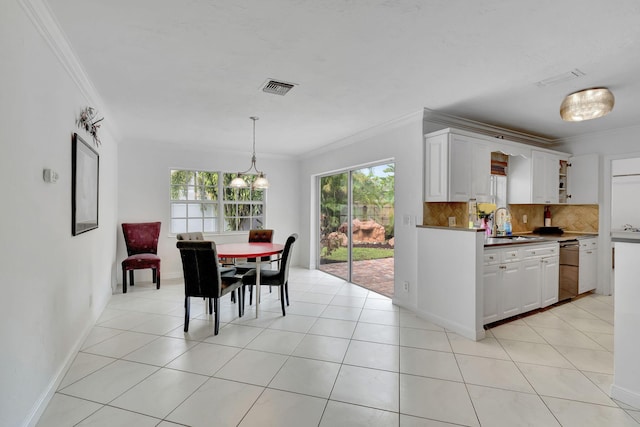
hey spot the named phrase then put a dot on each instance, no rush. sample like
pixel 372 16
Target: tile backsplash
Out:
pixel 580 218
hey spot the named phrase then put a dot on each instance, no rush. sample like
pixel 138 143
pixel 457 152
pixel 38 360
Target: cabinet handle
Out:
pixel 533 252
pixel 503 267
pixel 589 252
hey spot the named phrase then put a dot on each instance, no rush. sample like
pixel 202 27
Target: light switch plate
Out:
pixel 452 221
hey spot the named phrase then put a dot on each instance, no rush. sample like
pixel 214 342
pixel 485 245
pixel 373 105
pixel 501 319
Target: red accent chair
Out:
pixel 142 248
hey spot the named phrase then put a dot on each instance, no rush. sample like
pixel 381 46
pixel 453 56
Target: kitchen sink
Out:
pixel 502 240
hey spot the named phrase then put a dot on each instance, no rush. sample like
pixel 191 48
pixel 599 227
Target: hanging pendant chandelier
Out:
pixel 587 104
pixel 261 181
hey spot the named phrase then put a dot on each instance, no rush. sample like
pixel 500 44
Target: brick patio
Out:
pixel 375 275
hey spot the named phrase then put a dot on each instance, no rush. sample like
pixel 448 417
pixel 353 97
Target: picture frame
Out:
pixel 85 164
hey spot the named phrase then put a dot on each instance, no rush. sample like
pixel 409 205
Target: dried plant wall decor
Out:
pixel 87 121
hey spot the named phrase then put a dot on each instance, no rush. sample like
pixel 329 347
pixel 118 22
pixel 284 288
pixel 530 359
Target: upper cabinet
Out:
pixel 534 179
pixel 582 179
pixel 457 167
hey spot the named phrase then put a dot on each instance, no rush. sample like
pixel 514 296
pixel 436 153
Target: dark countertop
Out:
pixel 531 238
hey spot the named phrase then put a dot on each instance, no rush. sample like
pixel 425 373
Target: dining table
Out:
pixel 255 250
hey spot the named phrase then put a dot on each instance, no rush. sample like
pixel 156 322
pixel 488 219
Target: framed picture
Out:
pixel 84 186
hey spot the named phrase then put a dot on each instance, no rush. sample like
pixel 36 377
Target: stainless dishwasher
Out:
pixel 569 265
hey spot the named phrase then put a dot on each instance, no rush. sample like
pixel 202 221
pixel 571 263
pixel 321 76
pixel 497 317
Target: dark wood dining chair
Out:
pixel 141 240
pixel 279 277
pixel 202 279
pixel 255 236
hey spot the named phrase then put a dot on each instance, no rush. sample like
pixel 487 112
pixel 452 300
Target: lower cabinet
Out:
pixel 519 280
pixel 588 270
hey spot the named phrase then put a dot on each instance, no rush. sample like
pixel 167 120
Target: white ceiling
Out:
pixel 191 71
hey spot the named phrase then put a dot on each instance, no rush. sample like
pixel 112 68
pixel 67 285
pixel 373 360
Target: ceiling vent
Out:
pixel 560 78
pixel 277 87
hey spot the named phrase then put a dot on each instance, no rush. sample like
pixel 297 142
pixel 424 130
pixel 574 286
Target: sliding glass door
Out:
pixel 356 226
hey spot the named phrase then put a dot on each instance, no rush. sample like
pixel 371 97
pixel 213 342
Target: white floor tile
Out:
pixel 564 383
pixel 367 387
pixel 383 334
pixel 99 334
pixel 160 393
pixel 410 421
pixel 121 344
pixel 235 335
pixel 496 373
pixel 488 347
pixel 516 332
pixel 159 325
pixel 348 301
pixel 503 408
pixel 380 304
pixel 283 409
pixel 64 411
pixel 83 365
pixel 578 414
pixel 373 355
pixel 534 353
pixel 605 340
pixel 568 338
pixel 275 341
pixel 410 320
pixel 330 349
pixel 114 417
pixel 306 376
pixel 110 382
pixel 333 328
pixel 161 351
pixel 423 338
pixel 204 359
pixel 341 313
pixel 382 317
pixel 218 402
pixel 253 367
pixel 429 363
pixel 435 399
pixel 293 323
pixel 588 360
pixel 339 414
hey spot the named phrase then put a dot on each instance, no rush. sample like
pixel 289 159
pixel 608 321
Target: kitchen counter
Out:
pixel 531 238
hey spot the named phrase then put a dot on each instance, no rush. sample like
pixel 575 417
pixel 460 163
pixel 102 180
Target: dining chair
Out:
pixel 255 236
pixel 198 236
pixel 279 277
pixel 202 279
pixel 141 240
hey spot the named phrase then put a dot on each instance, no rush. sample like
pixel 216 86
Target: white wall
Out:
pixel 144 194
pixel 400 141
pixel 53 285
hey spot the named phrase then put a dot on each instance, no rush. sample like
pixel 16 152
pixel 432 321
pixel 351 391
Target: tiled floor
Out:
pixel 343 356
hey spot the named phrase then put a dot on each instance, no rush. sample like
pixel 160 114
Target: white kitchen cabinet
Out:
pixel 518 279
pixel 582 179
pixel 534 179
pixel 457 167
pixel 550 277
pixel 588 270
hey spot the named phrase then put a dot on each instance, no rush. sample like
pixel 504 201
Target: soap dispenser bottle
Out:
pixel 507 226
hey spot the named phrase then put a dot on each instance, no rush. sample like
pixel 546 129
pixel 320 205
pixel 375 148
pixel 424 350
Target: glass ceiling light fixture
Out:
pixel 260 182
pixel 587 104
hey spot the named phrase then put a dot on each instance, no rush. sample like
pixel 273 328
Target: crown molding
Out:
pixel 47 25
pixel 447 120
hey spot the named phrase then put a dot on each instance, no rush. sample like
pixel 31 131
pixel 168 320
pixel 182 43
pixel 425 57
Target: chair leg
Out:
pixel 286 290
pixel 210 306
pixel 186 314
pixel 282 299
pixel 124 281
pixel 154 275
pixel 240 302
pixel 250 294
pixel 216 303
pixel 233 296
pixel 130 277
pixel 157 271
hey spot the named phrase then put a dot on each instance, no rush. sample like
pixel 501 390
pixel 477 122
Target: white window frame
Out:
pixel 221 223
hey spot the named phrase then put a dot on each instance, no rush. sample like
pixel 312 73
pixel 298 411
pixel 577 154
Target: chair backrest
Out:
pixel 195 235
pixel 200 268
pixel 283 273
pixel 141 237
pixel 260 236
pixel 265 236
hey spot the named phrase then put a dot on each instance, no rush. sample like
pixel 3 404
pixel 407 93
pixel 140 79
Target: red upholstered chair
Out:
pixel 142 248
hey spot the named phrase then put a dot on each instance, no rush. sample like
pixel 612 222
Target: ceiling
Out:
pixel 191 71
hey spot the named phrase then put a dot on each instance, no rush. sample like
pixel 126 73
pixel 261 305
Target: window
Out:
pixel 196 204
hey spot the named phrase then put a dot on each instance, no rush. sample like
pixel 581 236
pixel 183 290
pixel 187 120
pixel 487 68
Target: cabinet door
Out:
pixel 460 160
pixel 545 178
pixel 481 172
pixel 436 165
pixel 511 283
pixel 588 271
pixel 531 284
pixel 550 278
pixel 582 179
pixel 491 294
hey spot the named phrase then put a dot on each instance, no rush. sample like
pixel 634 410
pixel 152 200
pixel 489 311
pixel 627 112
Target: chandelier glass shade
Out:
pixel 261 181
pixel 586 104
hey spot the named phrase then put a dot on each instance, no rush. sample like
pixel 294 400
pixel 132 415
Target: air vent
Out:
pixel 560 78
pixel 277 87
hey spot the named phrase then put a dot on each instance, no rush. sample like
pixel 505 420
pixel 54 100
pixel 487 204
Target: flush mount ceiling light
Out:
pixel 260 182
pixel 587 104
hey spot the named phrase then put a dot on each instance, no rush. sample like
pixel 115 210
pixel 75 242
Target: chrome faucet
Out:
pixel 499 220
